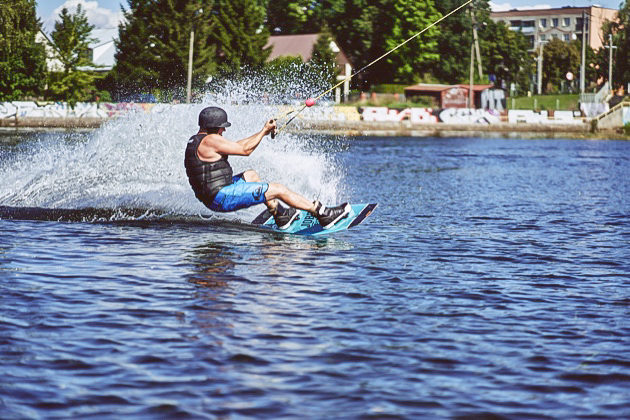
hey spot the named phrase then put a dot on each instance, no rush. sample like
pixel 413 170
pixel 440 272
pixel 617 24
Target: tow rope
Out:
pixel 297 110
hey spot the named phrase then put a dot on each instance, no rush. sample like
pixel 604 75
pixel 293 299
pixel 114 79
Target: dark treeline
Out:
pixel 230 38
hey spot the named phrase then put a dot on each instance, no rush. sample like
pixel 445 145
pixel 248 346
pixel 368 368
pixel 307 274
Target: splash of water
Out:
pixel 136 161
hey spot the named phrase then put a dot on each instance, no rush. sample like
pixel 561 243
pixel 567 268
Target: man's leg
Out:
pixel 293 199
pixel 279 191
pixel 327 216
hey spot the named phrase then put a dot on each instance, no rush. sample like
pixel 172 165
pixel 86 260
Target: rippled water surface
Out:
pixel 493 278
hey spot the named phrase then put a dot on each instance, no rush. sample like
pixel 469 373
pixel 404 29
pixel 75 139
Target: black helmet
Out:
pixel 213 117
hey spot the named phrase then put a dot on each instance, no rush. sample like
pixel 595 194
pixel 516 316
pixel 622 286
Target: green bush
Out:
pixel 389 88
pixel 626 129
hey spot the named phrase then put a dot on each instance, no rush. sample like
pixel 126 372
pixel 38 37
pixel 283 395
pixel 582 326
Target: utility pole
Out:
pixel 583 67
pixel 471 97
pixel 196 16
pixel 541 45
pixel 474 48
pixel 190 64
pixel 610 46
pixel 476 40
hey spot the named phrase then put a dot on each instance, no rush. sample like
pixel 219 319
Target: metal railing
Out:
pixel 622 104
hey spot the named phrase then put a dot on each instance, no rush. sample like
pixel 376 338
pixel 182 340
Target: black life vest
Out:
pixel 206 178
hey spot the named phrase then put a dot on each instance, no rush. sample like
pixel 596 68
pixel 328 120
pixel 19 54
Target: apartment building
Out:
pixel 565 23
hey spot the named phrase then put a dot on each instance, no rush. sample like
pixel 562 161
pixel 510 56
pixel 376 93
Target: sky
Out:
pixel 106 13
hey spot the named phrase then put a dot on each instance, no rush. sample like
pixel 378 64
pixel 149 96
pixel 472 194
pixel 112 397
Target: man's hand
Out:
pixel 270 127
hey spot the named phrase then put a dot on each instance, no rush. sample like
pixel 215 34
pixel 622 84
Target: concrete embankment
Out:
pixel 406 128
pixel 370 128
pixel 47 122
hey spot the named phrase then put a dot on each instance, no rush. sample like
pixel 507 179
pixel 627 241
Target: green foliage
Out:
pixel 22 60
pixel 72 37
pixel 153 45
pixel 367 29
pixel 352 25
pixel 620 31
pixel 626 129
pixel 409 17
pixel 240 34
pixel 324 58
pixel 559 57
pixel 562 102
pixel 389 88
pixel 453 43
pixel 504 54
pixel 294 16
pixel 73 86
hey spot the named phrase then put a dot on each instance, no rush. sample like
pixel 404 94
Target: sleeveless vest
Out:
pixel 205 178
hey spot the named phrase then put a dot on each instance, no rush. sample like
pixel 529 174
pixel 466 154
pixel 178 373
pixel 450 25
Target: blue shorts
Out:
pixel 239 194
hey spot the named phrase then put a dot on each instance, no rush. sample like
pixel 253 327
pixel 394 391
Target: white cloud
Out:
pixel 502 7
pixel 98 16
pixel 499 7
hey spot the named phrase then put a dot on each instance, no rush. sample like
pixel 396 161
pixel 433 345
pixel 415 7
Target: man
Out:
pixel 211 178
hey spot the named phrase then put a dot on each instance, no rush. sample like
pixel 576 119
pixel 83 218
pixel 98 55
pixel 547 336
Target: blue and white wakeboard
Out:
pixel 307 224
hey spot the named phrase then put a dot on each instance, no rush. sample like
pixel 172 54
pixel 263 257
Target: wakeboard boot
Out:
pixel 284 217
pixel 328 216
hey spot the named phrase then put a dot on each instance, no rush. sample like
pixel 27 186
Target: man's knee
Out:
pixel 276 189
pixel 251 176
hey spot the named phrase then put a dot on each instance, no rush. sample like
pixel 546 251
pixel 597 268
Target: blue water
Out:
pixel 493 279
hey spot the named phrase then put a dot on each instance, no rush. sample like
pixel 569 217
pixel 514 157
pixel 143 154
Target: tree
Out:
pixel 559 57
pixel 352 25
pixel 453 43
pixel 620 31
pixel 22 60
pixel 505 56
pixel 72 38
pixel 152 49
pixel 411 60
pixel 293 16
pixel 240 34
pixel 367 29
pixel 324 59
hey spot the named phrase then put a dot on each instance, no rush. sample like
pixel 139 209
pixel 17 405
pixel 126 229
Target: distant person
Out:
pixel 211 178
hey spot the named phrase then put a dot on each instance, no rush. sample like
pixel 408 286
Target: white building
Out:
pixel 103 50
pixel 53 63
pixel 564 23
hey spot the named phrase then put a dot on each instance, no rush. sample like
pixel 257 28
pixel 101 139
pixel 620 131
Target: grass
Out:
pixel 545 102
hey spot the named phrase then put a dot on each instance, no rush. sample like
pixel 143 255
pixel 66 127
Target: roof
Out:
pixel 429 88
pixel 104 48
pixel 422 87
pixel 567 10
pixel 300 45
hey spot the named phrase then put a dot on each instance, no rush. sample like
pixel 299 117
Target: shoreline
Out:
pixel 367 128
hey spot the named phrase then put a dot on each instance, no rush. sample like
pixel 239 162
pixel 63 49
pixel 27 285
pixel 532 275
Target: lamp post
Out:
pixel 474 48
pixel 610 47
pixel 190 56
pixel 583 66
pixel 541 44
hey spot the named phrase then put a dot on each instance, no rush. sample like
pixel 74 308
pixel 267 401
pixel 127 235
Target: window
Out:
pixel 554 22
pixel 579 22
pixel 543 23
pixel 566 21
pixel 566 37
pixel 543 37
pixel 554 36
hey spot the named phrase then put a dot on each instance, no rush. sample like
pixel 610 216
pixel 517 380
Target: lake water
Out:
pixel 493 279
